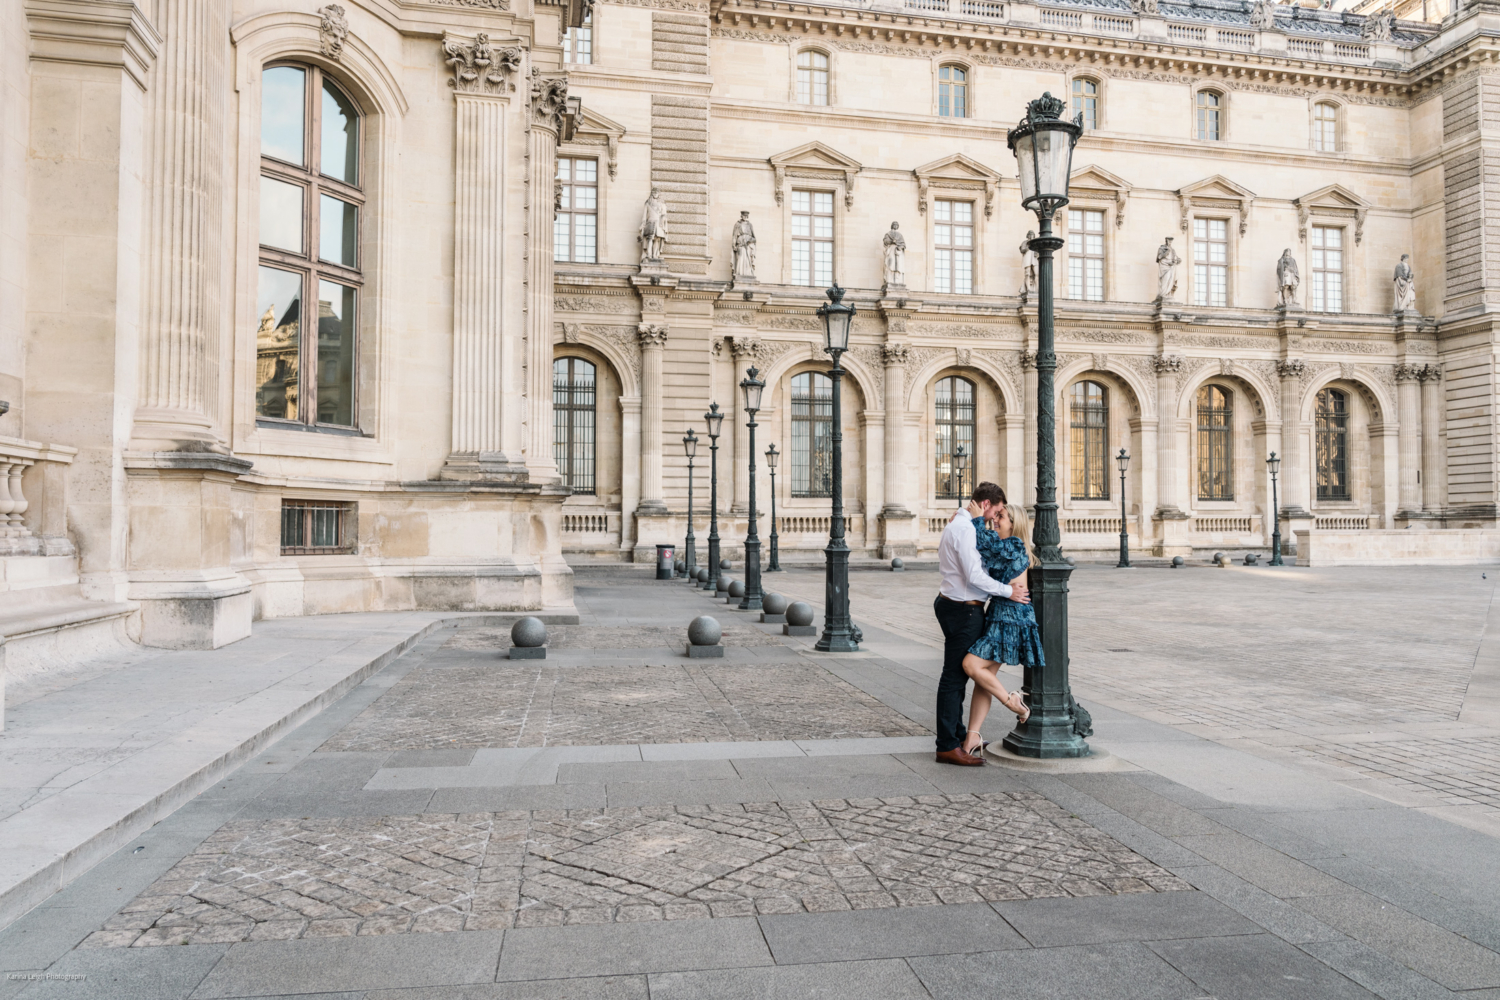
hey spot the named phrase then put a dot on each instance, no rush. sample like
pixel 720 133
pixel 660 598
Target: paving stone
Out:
pixel 1257 967
pixel 615 949
pixel 127 974
pixel 605 637
pixel 600 988
pixel 1049 923
pixel 1088 972
pixel 798 938
pixel 850 980
pixel 1436 953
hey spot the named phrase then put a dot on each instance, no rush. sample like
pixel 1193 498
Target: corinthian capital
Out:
pixel 1431 373
pixel 651 335
pixel 549 99
pixel 1292 368
pixel 895 354
pixel 745 347
pixel 479 68
pixel 1408 373
pixel 1167 364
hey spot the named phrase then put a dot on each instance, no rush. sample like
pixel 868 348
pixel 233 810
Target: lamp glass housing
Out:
pixel 1123 459
pixel 838 319
pixel 753 387
pixel 1043 144
pixel 771 456
pixel 690 443
pixel 960 459
pixel 1273 463
pixel 715 419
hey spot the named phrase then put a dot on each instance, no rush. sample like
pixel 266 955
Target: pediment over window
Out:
pixel 1334 201
pixel 1216 192
pixel 957 173
pixel 593 129
pixel 1100 185
pixel 815 161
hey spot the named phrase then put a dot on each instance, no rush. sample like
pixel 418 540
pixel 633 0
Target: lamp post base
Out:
pixel 1049 732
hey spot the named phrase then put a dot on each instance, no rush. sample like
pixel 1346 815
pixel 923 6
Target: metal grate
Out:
pixel 573 391
pixel 1333 444
pixel 1089 430
pixel 1215 446
pixel 955 426
pixel 317 527
pixel 812 435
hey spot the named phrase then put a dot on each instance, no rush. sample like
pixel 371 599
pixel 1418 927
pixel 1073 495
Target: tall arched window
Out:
pixel 812 435
pixel 310 205
pixel 1210 124
pixel 574 381
pixel 812 77
pixel 1215 443
pixel 1326 128
pixel 1332 428
pixel 1089 437
pixel 953 92
pixel 1086 101
pixel 954 418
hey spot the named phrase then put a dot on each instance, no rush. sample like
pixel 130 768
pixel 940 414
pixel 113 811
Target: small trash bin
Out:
pixel 666 555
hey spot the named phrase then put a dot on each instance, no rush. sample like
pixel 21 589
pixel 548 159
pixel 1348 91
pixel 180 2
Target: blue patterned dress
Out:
pixel 1011 634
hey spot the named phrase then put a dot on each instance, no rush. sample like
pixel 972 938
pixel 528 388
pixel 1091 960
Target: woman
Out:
pixel 1011 633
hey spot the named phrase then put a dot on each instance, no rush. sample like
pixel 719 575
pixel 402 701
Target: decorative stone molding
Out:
pixel 895 354
pixel 1167 364
pixel 332 30
pixel 1432 373
pixel 549 100
pixel 1334 201
pixel 815 161
pixel 1409 373
pixel 1346 370
pixel 1292 368
pixel 1185 372
pixel 1099 360
pixel 652 335
pixel 1217 193
pixel 1226 366
pixel 919 358
pixel 1028 361
pixel 593 129
pixel 570 332
pixel 960 173
pixel 744 347
pixel 479 4
pixel 478 67
pixel 1096 184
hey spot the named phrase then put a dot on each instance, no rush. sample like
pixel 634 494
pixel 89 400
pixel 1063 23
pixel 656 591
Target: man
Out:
pixel 962 593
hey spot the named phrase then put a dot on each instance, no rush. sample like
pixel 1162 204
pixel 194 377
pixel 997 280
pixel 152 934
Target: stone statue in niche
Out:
pixel 1263 15
pixel 1166 271
pixel 894 250
pixel 743 243
pixel 1287 278
pixel 1406 286
pixel 1028 264
pixel 653 234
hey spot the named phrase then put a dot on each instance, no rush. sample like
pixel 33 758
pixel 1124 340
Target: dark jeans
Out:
pixel 962 625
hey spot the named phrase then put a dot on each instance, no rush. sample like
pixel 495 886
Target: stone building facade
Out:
pixel 544 235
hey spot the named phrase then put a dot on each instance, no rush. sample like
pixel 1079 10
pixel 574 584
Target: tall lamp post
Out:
pixel 753 387
pixel 960 463
pixel 838 631
pixel 1273 463
pixel 715 419
pixel 771 456
pixel 690 557
pixel 1123 460
pixel 1043 143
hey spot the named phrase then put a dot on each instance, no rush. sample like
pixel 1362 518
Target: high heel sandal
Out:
pixel 978 748
pixel 1023 713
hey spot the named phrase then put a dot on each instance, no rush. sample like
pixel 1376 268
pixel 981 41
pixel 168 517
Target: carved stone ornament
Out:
pixel 549 99
pixel 1167 364
pixel 1408 373
pixel 1405 282
pixel 651 335
pixel 1099 361
pixel 481 4
pixel 1263 15
pixel 1432 373
pixel 1377 28
pixel 1292 368
pixel 479 68
pixel 332 30
pixel 1346 371
pixel 1028 361
pixel 1226 366
pixel 963 356
pixel 745 347
pixel 570 333
pixel 1144 7
pixel 895 354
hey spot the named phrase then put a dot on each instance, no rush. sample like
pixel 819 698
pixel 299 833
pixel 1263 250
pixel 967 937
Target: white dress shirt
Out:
pixel 962 571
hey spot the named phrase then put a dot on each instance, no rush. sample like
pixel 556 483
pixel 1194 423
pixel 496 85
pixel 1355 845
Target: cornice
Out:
pixel 114 33
pixel 688 84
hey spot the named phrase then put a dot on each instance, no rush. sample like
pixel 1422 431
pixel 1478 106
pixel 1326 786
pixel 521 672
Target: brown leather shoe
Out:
pixel 960 757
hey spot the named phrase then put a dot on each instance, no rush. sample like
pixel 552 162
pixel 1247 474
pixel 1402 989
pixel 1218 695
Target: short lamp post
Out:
pixel 838 631
pixel 690 556
pixel 715 420
pixel 771 456
pixel 753 387
pixel 1273 463
pixel 1123 460
pixel 960 463
pixel 1043 144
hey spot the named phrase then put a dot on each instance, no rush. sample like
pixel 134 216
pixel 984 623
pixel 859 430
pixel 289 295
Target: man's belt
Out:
pixel 952 601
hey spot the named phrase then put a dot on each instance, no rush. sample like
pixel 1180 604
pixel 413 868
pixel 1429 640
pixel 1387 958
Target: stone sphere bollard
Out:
pixel 680 565
pixel 528 639
pixel 736 589
pixel 1251 558
pixel 1176 562
pixel 1218 558
pixel 799 613
pixel 701 575
pixel 705 630
pixel 897 565
pixel 774 604
pixel 725 564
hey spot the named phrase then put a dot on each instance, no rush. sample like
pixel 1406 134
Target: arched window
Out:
pixel 812 435
pixel 310 205
pixel 1326 128
pixel 953 92
pixel 573 420
pixel 812 77
pixel 1215 444
pixel 954 418
pixel 1089 436
pixel 1086 101
pixel 1332 426
pixel 1210 115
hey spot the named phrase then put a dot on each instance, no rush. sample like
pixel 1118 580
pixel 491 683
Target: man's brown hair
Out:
pixel 988 493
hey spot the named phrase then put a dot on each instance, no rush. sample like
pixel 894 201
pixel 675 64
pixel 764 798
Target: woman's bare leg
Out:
pixel 979 709
pixel 986 676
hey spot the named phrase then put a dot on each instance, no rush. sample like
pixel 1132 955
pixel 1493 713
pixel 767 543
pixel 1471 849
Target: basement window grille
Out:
pixel 316 527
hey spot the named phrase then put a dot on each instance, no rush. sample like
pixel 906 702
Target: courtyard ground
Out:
pixel 1307 805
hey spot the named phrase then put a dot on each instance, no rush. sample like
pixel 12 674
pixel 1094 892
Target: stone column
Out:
pixel 1028 475
pixel 1295 475
pixel 630 470
pixel 653 339
pixel 898 522
pixel 183 253
pixel 745 351
pixel 1409 439
pixel 549 97
pixel 1432 438
pixel 1171 519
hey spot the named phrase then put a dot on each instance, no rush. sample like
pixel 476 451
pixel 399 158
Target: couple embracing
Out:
pixel 984 609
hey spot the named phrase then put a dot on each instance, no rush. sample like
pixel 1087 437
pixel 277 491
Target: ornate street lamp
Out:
pixel 1273 463
pixel 1043 143
pixel 715 419
pixel 753 387
pixel 1123 460
pixel 771 456
pixel 960 463
pixel 838 631
pixel 690 557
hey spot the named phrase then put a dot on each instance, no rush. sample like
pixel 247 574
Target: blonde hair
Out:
pixel 1020 528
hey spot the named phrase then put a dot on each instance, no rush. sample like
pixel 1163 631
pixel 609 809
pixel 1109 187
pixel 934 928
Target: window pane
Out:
pixel 954 419
pixel 340 140
pixel 1088 439
pixel 339 222
pixel 573 390
pixel 281 214
pixel 335 354
pixel 278 343
pixel 812 435
pixel 282 106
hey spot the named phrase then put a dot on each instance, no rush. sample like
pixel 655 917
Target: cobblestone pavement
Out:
pixel 285 879
pixel 1462 770
pixel 606 637
pixel 522 705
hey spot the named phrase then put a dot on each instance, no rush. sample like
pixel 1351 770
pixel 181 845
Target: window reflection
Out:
pixel 340 136
pixel 282 106
pixel 278 343
pixel 335 353
pixel 280 214
pixel 339 222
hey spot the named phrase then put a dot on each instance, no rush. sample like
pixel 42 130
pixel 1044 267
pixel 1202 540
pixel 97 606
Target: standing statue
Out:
pixel 743 243
pixel 894 245
pixel 1166 271
pixel 1263 15
pixel 1377 27
pixel 1287 278
pixel 1028 264
pixel 1406 286
pixel 653 235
